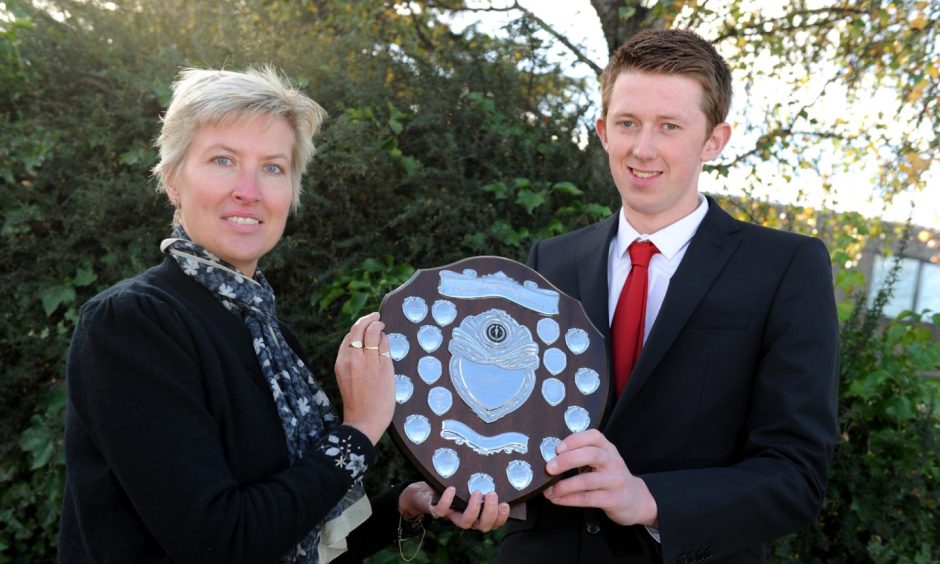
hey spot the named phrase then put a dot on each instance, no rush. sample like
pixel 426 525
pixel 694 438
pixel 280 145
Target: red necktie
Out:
pixel 630 315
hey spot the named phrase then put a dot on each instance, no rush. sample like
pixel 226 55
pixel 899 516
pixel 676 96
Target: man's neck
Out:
pixel 649 224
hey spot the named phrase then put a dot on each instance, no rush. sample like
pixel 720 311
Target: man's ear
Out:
pixel 716 142
pixel 601 127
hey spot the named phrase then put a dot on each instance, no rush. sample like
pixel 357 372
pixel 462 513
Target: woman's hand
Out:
pixel 483 513
pixel 366 377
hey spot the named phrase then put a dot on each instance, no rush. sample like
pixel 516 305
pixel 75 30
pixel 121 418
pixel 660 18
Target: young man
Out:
pixel 719 433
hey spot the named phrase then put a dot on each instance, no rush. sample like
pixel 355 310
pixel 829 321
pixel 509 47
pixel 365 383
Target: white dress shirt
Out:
pixel 672 242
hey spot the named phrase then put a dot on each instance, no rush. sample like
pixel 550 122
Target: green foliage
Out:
pixel 362 287
pixel 550 209
pixel 31 482
pixel 443 544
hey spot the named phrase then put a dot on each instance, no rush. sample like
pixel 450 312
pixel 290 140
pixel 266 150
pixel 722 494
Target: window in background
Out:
pixel 917 288
pixel 928 296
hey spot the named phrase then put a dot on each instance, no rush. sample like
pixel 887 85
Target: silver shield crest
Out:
pixel 493 363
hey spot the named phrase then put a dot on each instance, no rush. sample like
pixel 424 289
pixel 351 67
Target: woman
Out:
pixel 195 431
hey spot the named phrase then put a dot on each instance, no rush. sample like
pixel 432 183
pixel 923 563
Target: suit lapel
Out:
pixel 708 252
pixel 592 273
pixel 593 254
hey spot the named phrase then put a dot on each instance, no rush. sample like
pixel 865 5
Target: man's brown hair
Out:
pixel 679 52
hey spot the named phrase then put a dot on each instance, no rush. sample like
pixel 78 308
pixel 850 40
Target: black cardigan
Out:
pixel 174 449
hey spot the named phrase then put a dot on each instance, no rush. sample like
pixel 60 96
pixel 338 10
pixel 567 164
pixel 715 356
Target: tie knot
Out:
pixel 641 252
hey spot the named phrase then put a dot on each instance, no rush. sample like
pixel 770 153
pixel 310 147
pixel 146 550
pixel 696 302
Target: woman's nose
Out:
pixel 247 187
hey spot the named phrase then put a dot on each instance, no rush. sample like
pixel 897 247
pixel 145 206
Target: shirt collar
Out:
pixel 670 239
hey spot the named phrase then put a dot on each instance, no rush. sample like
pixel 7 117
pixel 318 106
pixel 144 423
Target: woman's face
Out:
pixel 234 188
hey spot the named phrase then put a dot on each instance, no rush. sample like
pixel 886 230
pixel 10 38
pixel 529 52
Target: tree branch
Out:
pixel 785 130
pixel 619 27
pixel 561 39
pixel 757 28
pixel 419 31
pixel 544 26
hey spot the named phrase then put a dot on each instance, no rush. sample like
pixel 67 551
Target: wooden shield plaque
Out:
pixel 493 367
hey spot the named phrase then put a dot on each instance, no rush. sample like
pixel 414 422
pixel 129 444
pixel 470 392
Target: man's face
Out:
pixel 656 141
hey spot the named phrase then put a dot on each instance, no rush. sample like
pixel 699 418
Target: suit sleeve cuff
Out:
pixel 347 449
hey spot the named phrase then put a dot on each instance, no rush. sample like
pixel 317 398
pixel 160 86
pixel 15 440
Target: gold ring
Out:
pixel 371 348
pixel 355 344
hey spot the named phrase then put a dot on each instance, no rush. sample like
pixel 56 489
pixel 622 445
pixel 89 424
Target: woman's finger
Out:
pixel 442 507
pixel 358 329
pixel 469 516
pixel 489 513
pixel 372 336
pixel 385 347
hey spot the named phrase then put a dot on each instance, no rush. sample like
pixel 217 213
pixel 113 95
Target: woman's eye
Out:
pixel 222 160
pixel 273 169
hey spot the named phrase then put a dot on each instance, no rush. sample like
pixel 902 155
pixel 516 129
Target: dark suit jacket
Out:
pixel 730 413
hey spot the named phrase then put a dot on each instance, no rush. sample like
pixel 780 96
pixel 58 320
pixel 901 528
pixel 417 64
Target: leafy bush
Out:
pixel 32 481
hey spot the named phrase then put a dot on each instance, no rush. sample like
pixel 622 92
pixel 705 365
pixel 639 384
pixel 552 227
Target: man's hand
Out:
pixel 604 481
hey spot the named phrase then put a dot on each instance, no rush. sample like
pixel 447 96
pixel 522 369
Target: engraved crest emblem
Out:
pixel 493 362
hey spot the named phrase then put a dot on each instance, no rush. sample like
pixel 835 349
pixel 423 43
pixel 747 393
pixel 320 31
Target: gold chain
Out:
pixel 401 537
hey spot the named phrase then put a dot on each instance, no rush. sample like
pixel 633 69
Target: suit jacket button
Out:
pixel 592 527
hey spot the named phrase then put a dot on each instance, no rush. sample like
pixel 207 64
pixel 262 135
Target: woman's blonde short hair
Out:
pixel 204 97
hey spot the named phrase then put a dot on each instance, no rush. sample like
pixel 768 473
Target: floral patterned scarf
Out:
pixel 303 407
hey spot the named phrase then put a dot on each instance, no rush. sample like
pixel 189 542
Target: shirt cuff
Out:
pixel 654 533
